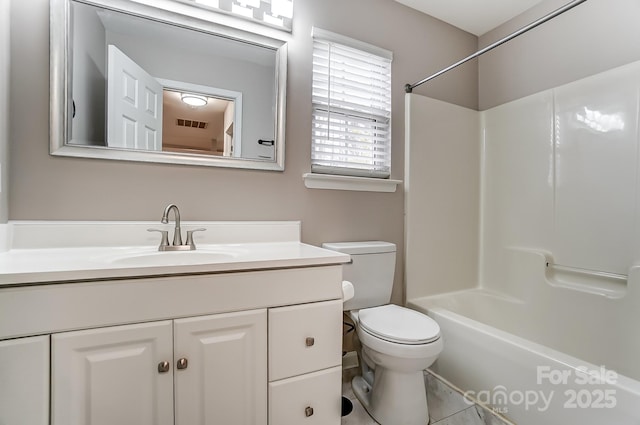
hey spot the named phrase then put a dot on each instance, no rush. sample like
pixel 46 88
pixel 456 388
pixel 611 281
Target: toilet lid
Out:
pixel 399 324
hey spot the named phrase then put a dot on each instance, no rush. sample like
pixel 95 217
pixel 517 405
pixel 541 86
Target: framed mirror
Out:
pixel 135 82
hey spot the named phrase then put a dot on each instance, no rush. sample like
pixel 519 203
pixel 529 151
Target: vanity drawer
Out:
pixel 311 399
pixel 304 338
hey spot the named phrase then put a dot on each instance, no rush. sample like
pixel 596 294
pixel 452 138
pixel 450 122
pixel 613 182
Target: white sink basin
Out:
pixel 174 258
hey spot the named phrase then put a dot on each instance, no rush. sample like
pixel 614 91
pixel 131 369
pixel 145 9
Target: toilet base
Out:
pixel 401 401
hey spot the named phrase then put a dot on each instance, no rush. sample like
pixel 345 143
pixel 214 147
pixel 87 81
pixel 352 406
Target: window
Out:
pixel 351 127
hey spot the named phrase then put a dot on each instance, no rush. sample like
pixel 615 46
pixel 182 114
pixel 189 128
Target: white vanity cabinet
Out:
pixel 213 367
pixel 24 381
pixel 218 331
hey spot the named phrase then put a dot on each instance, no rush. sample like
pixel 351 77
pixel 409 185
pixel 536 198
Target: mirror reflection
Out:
pixel 197 123
pixel 139 85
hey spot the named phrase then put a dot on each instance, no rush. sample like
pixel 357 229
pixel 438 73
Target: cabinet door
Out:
pixel 310 399
pixel 225 379
pixel 111 376
pixel 24 381
pixel 304 338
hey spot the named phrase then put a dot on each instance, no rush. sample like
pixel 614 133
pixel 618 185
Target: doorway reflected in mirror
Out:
pixel 203 129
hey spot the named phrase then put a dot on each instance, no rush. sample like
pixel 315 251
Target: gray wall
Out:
pixel 4 110
pixel 55 188
pixel 593 37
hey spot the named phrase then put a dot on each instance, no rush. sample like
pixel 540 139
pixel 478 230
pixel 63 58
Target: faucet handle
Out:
pixel 190 237
pixel 165 237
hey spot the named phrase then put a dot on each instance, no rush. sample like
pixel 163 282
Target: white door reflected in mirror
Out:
pixel 134 105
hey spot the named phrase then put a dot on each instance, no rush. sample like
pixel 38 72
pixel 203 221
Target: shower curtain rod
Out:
pixel 409 87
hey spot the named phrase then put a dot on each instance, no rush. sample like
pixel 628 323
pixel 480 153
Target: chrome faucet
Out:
pixel 177 232
pixel 177 244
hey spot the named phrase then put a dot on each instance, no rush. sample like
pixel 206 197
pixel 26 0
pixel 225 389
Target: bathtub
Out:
pixel 579 364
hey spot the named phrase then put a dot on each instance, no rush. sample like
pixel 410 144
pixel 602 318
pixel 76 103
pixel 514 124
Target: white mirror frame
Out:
pixel 60 87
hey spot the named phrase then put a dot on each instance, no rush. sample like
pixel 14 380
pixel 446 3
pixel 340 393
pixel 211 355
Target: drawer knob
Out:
pixel 163 367
pixel 309 342
pixel 308 411
pixel 182 363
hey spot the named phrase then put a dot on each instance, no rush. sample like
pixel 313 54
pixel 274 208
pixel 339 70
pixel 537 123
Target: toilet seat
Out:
pixel 399 325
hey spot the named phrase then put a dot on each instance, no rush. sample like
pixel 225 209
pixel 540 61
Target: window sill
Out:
pixel 363 184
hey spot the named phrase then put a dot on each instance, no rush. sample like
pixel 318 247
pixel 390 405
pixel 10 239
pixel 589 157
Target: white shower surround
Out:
pixel 556 171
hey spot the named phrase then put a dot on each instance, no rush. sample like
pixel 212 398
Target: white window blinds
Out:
pixel 351 127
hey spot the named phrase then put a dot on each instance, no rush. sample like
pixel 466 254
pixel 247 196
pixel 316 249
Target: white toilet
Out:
pixel 397 343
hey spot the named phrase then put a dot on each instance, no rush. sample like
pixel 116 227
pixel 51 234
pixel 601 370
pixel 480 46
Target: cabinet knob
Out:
pixel 182 363
pixel 309 342
pixel 163 367
pixel 308 411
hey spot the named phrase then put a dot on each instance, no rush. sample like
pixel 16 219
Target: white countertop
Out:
pixel 24 266
pixel 31 260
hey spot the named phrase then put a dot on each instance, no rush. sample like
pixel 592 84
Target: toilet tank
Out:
pixel 371 271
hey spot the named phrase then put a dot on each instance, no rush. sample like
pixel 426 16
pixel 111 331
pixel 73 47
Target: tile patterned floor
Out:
pixel 447 406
